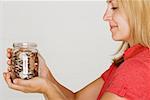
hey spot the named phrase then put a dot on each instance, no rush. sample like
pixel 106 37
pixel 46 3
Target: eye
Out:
pixel 114 8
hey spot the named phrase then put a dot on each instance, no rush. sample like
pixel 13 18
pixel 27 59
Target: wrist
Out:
pixel 46 89
pixel 52 92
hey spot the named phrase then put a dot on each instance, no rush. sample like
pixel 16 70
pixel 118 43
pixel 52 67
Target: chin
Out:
pixel 116 38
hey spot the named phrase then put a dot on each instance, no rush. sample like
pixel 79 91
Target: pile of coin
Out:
pixel 25 63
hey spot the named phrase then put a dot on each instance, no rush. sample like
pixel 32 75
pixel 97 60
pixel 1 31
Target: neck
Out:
pixel 131 43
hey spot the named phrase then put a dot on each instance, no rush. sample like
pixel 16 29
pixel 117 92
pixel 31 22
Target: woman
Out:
pixel 126 79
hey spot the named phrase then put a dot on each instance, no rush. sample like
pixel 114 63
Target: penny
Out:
pixel 23 60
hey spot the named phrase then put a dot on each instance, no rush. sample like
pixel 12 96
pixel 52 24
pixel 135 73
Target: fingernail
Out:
pixel 4 74
pixel 15 81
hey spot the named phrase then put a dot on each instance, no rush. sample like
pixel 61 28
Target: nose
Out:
pixel 108 15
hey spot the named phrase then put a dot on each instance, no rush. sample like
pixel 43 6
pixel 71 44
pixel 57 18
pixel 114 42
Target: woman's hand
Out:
pixel 44 71
pixel 38 85
pixel 35 85
pixel 42 84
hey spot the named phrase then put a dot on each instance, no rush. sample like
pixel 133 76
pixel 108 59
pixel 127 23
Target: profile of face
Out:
pixel 118 21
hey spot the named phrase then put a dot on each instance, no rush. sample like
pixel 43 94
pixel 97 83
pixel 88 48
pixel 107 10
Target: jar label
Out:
pixel 24 58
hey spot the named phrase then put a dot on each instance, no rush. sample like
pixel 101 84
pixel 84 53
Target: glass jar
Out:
pixel 24 60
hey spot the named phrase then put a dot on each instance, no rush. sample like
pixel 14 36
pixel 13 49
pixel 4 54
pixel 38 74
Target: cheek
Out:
pixel 123 28
pixel 122 32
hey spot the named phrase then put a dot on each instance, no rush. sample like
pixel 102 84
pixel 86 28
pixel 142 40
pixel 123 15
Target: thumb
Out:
pixel 41 60
pixel 42 64
pixel 20 82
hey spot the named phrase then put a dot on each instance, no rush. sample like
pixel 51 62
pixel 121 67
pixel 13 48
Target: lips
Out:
pixel 113 26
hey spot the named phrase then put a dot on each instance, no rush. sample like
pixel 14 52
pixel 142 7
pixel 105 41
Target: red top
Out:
pixel 132 78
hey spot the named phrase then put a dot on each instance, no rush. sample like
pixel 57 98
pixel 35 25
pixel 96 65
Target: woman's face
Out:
pixel 118 22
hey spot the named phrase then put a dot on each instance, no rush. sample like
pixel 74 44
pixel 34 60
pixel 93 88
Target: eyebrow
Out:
pixel 108 1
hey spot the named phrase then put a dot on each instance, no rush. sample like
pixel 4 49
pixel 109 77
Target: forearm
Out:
pixel 49 98
pixel 54 93
pixel 66 92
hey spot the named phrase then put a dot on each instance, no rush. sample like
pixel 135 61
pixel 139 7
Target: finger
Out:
pixel 7 77
pixel 21 82
pixel 41 58
pixel 9 62
pixel 9 55
pixel 9 52
pixel 13 86
pixel 9 69
pixel 4 75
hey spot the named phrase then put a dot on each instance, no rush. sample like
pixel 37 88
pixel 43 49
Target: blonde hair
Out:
pixel 138 15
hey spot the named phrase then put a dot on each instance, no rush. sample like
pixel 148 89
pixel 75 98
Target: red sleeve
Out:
pixel 131 80
pixel 106 73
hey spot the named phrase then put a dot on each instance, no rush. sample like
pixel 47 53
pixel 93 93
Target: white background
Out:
pixel 71 36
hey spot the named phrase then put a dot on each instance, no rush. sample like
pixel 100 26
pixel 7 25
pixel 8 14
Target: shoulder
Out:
pixel 143 57
pixel 135 65
pixel 132 74
pixel 140 56
pixel 131 79
pixel 133 71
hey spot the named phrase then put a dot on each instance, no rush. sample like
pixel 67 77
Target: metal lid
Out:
pixel 24 45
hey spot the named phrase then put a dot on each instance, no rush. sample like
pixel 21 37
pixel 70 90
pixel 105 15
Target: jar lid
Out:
pixel 24 45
